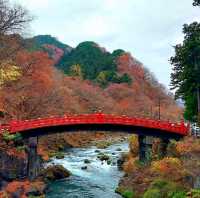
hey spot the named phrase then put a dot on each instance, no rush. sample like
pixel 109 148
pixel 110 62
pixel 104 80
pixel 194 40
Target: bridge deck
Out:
pixel 23 126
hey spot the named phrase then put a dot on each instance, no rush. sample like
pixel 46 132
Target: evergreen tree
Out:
pixel 196 3
pixel 185 78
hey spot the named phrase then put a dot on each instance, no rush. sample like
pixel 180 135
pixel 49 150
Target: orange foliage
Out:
pixel 130 165
pixel 188 145
pixel 127 64
pixel 43 153
pixel 15 185
pixel 24 186
pixel 43 91
pixel 167 167
pixel 14 152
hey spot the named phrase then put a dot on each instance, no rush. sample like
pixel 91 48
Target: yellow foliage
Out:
pixel 101 78
pixel 168 167
pixel 75 70
pixel 134 145
pixel 9 72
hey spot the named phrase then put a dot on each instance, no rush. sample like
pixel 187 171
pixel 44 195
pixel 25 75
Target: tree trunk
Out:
pixel 198 106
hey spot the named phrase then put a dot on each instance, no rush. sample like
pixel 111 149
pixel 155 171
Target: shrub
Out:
pixel 21 148
pixel 195 193
pixel 167 167
pixel 134 145
pixel 171 149
pixel 178 194
pixel 164 189
pixel 188 145
pixel 152 193
pixel 125 193
pixel 128 194
pixel 11 137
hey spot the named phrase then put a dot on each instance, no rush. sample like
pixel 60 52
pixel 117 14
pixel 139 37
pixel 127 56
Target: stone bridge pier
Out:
pixel 34 161
pixel 145 148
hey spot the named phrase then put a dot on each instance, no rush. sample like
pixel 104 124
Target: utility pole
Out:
pixel 151 112
pixel 159 113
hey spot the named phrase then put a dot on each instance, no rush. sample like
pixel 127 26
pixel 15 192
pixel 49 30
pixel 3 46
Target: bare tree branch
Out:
pixel 13 18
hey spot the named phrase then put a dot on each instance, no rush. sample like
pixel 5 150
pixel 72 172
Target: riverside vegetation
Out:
pixel 174 176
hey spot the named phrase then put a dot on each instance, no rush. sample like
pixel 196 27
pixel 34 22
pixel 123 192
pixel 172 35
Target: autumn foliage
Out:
pixel 167 167
pixel 32 87
pixel 22 188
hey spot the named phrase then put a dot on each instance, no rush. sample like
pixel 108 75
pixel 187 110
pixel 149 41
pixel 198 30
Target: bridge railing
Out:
pixel 15 126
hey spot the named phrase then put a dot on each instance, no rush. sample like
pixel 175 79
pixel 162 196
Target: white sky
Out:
pixel 146 28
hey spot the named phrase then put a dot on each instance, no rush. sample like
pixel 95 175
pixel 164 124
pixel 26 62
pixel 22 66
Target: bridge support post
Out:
pixel 34 162
pixel 163 147
pixel 145 148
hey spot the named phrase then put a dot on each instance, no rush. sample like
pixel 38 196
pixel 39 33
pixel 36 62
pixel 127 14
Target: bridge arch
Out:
pixel 96 122
pixel 31 129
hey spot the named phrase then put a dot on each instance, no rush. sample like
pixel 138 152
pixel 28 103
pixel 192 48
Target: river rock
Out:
pixel 60 155
pixel 109 162
pixel 103 157
pixel 87 161
pixel 84 168
pixel 32 192
pixel 56 172
pixel 121 161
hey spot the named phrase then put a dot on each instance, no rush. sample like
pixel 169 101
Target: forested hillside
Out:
pixel 46 77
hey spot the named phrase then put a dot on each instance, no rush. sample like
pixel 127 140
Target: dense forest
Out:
pixel 46 77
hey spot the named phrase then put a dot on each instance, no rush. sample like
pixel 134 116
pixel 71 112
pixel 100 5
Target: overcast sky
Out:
pixel 146 28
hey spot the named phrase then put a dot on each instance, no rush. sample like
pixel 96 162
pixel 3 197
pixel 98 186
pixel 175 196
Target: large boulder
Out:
pixel 55 172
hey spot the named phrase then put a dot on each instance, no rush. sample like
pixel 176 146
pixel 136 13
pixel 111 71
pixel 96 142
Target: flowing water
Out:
pixel 99 180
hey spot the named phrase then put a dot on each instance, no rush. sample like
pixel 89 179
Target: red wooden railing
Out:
pixel 99 118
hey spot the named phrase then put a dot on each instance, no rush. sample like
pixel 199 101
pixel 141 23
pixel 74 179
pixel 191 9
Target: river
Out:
pixel 99 180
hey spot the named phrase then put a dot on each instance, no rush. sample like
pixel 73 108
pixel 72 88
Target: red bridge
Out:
pixel 32 129
pixel 147 126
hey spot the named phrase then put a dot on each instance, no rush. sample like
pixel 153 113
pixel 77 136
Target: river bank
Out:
pixel 177 175
pixel 91 177
pixel 51 147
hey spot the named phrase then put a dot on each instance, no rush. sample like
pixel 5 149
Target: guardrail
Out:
pixel 99 118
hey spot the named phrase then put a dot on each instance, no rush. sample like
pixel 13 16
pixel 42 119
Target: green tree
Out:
pixel 118 52
pixel 125 78
pixel 186 70
pixel 196 3
pixel 92 58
